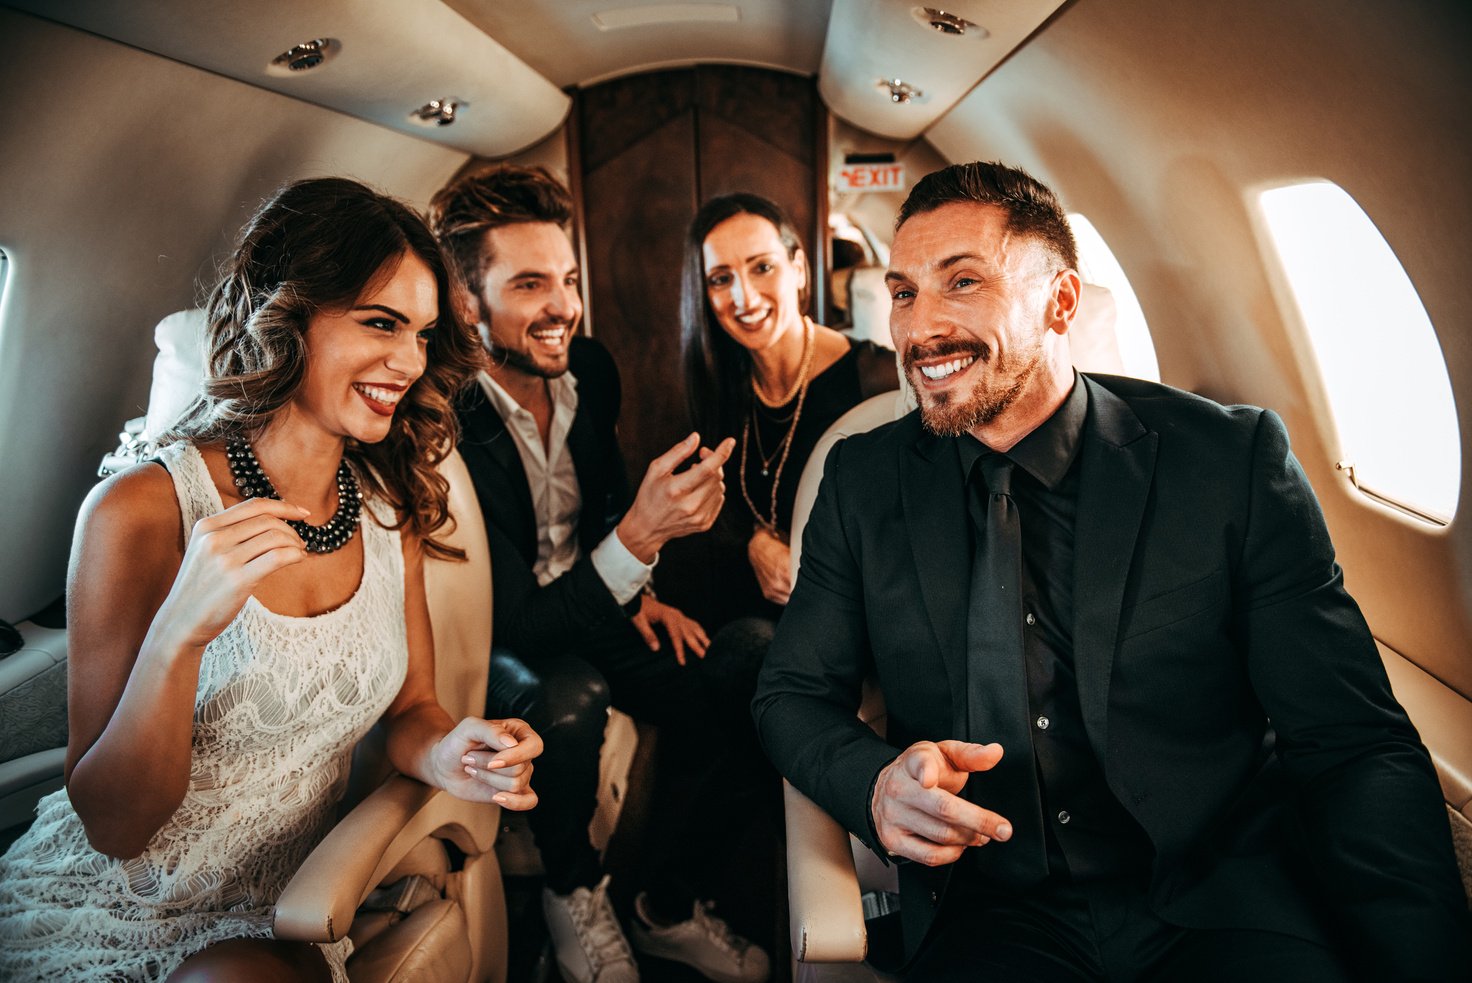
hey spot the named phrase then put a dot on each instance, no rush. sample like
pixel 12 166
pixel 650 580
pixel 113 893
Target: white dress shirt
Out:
pixel 556 499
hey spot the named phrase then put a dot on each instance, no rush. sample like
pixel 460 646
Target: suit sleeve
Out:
pixel 808 695
pixel 533 620
pixel 1371 811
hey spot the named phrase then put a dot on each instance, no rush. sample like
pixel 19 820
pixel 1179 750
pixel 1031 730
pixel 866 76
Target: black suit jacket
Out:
pixel 1208 605
pixel 530 619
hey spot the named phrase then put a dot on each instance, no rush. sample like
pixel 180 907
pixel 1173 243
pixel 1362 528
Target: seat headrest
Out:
pixel 178 369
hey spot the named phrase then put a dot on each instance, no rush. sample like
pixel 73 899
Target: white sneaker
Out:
pixel 586 937
pixel 704 942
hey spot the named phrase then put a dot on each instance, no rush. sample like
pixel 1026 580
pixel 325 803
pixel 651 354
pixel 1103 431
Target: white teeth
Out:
pixel 387 397
pixel 752 318
pixel 936 372
pixel 550 336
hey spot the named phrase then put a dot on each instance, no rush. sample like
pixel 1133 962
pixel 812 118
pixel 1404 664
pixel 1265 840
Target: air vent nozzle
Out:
pixel 947 23
pixel 303 57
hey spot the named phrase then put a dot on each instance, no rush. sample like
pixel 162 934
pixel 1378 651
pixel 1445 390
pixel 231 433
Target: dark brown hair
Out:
pixel 1032 208
pixel 463 211
pixel 315 246
pixel 717 369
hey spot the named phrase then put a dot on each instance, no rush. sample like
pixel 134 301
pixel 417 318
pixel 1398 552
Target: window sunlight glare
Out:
pixel 1380 359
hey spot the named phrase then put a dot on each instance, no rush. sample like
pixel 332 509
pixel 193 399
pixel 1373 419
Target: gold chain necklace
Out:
pixel 809 336
pixel 800 391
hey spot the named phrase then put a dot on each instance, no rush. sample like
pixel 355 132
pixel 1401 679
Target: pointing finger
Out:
pixel 670 459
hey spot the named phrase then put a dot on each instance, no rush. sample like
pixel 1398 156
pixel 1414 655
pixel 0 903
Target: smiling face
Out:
pixel 753 286
pixel 978 317
pixel 529 304
pixel 361 361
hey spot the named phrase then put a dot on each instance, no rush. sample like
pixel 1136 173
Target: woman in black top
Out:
pixel 759 369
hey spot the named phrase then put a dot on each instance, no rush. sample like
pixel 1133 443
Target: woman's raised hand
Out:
pixel 488 761
pixel 229 553
pixel 771 558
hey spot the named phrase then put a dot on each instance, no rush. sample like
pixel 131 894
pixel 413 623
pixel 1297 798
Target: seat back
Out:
pixel 460 600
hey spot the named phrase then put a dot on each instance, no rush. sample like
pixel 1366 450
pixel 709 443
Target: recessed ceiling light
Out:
pixel 899 90
pixel 304 57
pixel 438 112
pixel 949 24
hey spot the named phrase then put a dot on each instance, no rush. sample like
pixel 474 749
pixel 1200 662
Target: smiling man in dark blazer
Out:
pixel 1136 727
pixel 575 626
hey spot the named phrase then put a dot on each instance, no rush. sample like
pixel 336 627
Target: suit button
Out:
pixel 1063 816
pixel 1031 619
pixel 1043 723
pixel 934 898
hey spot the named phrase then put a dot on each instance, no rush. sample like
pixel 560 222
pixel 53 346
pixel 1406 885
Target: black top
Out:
pixel 1089 834
pixel 865 370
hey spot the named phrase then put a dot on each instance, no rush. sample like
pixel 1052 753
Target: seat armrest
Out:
pixel 319 903
pixel 827 915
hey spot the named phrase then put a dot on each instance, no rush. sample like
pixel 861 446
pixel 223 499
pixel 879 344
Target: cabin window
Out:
pixel 1110 334
pixel 1379 358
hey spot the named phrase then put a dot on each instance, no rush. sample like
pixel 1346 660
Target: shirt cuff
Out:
pixel 621 571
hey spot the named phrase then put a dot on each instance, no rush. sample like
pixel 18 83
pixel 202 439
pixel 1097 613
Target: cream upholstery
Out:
pixel 823 861
pixel 383 838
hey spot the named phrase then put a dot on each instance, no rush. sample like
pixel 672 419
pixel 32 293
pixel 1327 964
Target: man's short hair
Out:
pixel 1032 208
pixel 463 211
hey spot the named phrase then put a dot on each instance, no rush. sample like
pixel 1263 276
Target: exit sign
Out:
pixel 871 177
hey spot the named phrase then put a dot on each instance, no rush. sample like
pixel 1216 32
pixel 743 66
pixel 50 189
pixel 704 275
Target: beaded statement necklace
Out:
pixel 329 537
pixel 784 446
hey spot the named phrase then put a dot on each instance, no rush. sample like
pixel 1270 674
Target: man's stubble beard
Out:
pixel 946 416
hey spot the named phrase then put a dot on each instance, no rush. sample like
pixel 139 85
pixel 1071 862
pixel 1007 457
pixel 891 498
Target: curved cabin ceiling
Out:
pixel 396 55
pixel 583 42
pixel 871 42
pixel 506 63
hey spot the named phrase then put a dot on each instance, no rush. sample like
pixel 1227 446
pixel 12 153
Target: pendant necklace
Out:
pixel 329 537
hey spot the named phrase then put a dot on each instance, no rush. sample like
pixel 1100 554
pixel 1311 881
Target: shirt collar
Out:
pixel 563 390
pixel 1047 452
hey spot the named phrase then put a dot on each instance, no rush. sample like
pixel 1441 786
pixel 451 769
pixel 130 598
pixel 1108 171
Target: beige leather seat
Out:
pixel 828 871
pixel 400 830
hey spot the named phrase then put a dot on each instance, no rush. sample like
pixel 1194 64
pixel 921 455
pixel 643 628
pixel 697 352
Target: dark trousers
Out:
pixel 702 786
pixel 1103 932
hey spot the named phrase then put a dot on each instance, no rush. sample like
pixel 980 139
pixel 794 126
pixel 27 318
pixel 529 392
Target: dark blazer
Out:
pixel 530 619
pixel 1208 603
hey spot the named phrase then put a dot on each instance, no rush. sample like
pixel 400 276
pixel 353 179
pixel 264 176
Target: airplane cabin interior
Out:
pixel 1271 203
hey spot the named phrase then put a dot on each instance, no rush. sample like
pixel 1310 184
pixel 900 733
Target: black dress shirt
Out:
pixel 1090 835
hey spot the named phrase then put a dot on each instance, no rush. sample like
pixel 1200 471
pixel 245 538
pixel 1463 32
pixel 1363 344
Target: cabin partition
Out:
pixel 644 152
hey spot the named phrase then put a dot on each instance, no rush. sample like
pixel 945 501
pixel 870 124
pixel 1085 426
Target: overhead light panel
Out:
pixel 304 57
pixel 654 15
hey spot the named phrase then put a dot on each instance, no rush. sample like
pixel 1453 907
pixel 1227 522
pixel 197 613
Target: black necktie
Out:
pixel 997 703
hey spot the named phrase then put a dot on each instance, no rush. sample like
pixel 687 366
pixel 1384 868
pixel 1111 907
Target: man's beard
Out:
pixel 516 358
pixel 947 414
pixel 526 362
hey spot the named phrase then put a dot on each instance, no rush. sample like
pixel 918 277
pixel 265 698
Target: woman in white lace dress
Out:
pixel 236 626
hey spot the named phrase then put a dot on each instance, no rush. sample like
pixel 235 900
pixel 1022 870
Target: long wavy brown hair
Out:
pixel 316 246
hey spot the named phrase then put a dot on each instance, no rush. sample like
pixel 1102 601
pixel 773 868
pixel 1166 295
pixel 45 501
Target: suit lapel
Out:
pixel 936 517
pixel 485 435
pixel 1118 466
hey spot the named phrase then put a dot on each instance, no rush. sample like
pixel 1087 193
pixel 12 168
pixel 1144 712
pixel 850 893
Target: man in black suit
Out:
pixel 1136 727
pixel 575 624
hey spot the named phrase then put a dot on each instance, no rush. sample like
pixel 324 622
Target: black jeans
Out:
pixel 704 781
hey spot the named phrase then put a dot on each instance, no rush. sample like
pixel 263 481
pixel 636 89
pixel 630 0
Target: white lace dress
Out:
pixel 280 704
